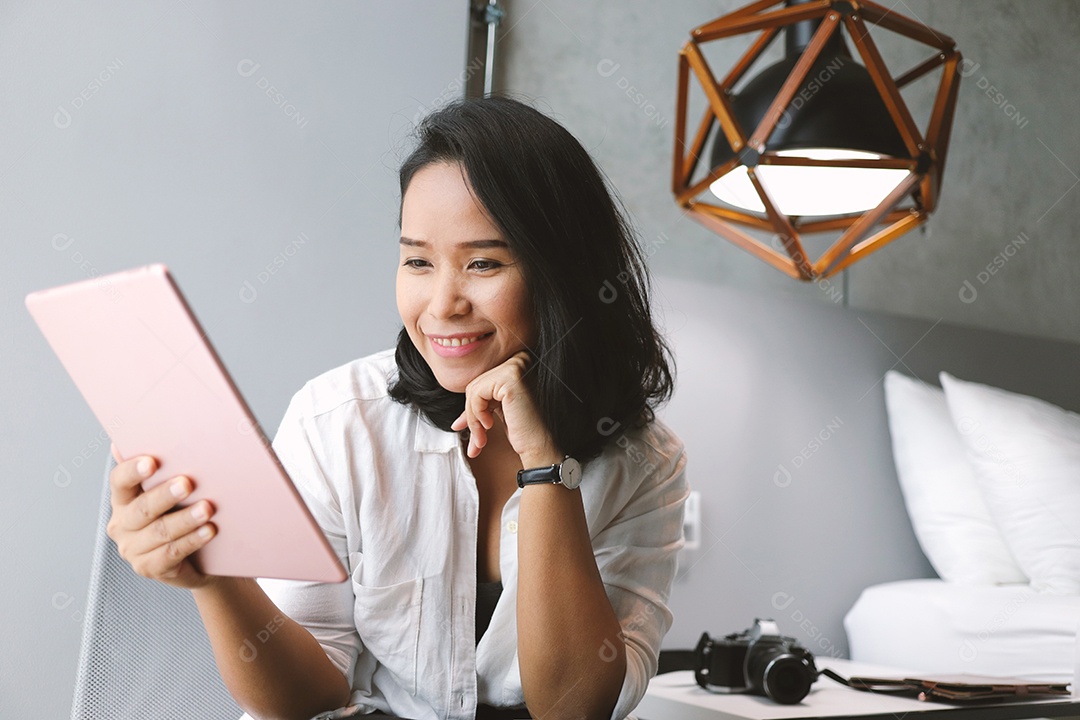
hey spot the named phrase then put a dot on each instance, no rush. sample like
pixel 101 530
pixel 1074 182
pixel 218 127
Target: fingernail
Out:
pixel 179 488
pixel 206 531
pixel 199 512
pixel 144 467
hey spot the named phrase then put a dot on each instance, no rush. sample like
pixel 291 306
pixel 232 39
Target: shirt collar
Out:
pixel 431 439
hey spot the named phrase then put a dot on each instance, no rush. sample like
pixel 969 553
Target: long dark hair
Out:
pixel 598 361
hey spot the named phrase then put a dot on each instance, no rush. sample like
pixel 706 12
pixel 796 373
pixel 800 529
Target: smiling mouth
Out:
pixel 457 341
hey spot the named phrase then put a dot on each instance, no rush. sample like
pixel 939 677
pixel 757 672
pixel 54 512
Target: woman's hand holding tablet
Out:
pixel 153 537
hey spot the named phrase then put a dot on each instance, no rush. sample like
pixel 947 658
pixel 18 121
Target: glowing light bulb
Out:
pixel 811 191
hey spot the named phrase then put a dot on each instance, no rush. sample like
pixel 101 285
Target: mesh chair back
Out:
pixel 144 653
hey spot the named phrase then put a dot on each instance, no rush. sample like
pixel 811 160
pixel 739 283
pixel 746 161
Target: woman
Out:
pixel 446 473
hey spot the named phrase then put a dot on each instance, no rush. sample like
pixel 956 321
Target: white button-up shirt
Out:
pixel 398 502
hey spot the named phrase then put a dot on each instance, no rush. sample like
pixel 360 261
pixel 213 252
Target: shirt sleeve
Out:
pixel 324 609
pixel 636 554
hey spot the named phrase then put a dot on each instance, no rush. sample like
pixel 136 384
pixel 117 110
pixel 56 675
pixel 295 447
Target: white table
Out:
pixel 675 696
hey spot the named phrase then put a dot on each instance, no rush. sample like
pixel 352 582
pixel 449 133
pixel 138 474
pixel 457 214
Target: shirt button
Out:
pixel 512 526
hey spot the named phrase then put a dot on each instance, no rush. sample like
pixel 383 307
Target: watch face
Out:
pixel 571 473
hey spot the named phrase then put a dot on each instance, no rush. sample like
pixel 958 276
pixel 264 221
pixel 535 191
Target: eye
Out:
pixel 484 265
pixel 416 263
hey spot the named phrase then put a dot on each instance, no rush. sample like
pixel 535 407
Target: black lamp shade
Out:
pixel 837 106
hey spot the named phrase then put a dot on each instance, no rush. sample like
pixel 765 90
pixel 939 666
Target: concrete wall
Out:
pixel 608 69
pixel 253 147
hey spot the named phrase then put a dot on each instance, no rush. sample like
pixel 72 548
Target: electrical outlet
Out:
pixel 692 521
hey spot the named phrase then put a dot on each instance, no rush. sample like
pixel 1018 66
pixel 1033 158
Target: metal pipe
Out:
pixel 493 14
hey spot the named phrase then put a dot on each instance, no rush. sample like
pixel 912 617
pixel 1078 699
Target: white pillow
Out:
pixel 1026 456
pixel 951 521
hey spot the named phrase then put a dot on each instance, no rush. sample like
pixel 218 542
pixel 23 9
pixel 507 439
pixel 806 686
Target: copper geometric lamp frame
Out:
pixel 905 208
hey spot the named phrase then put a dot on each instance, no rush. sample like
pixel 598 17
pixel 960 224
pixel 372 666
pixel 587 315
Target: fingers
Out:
pixel 152 536
pixel 141 519
pixel 484 397
pixel 150 505
pixel 157 540
pixel 167 561
pixel 479 420
pixel 125 478
pixel 169 527
pixel 478 415
pixel 477 429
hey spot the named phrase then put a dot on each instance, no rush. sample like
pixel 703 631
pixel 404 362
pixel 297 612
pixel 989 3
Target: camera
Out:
pixel 758 661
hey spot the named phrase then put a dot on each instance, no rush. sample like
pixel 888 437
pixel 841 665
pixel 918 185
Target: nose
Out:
pixel 449 297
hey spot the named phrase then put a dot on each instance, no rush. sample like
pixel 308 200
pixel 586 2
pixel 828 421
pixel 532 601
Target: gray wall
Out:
pixel 781 407
pixel 144 132
pixel 608 69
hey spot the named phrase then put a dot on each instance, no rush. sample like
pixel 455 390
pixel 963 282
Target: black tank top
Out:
pixel 487 596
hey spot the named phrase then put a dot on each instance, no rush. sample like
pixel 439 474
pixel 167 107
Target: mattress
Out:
pixel 940 627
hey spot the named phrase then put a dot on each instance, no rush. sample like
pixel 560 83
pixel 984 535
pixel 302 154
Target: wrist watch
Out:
pixel 567 473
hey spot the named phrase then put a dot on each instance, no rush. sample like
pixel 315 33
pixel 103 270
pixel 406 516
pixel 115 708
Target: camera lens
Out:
pixel 787 679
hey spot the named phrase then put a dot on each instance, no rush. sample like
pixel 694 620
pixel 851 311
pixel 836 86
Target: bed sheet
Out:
pixel 940 627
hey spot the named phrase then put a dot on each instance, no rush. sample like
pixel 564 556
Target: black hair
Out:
pixel 598 360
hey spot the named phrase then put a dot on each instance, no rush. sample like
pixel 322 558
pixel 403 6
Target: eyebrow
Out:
pixel 470 244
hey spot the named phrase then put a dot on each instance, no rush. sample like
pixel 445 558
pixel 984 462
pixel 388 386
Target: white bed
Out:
pixel 936 626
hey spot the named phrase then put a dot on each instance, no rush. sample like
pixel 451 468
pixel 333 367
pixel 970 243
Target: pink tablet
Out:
pixel 148 372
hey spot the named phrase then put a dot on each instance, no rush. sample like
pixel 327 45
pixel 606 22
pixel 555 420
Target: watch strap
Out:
pixel 534 476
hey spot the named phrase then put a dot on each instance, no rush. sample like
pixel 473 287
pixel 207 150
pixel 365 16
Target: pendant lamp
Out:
pixel 819 141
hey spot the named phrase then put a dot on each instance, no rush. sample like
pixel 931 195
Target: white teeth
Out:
pixel 454 342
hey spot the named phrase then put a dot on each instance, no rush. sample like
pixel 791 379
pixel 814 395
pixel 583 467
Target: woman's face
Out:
pixel 460 290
